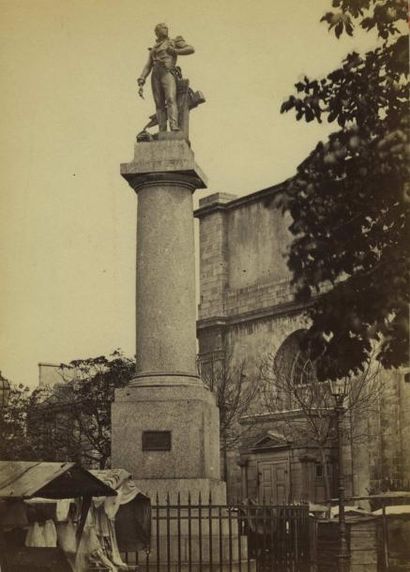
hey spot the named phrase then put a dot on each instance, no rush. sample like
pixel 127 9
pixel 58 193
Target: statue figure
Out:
pixel 165 74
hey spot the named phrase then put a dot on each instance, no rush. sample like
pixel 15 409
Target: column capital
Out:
pixel 166 162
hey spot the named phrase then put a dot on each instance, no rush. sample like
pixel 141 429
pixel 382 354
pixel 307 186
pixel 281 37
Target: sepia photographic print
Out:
pixel 204 294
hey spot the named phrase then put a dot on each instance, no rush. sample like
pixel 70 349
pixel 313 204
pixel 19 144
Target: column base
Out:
pixel 159 378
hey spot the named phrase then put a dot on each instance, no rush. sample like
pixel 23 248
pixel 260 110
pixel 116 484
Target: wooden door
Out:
pixel 273 481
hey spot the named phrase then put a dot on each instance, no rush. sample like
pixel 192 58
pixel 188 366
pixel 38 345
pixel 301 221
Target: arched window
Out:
pixel 292 360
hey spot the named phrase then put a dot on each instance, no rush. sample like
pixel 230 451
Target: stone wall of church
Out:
pixel 246 300
pixel 256 339
pixel 243 256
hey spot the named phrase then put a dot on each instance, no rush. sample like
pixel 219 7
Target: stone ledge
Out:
pixel 217 198
pixel 176 390
pixel 159 158
pixel 257 314
pixel 265 195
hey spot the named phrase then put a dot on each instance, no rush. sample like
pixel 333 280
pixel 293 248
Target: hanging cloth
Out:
pixel 35 536
pixel 66 536
pixel 50 534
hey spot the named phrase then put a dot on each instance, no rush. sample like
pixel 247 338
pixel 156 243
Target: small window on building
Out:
pixel 319 470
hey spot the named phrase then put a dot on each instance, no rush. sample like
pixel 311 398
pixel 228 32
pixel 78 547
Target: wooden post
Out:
pixel 385 538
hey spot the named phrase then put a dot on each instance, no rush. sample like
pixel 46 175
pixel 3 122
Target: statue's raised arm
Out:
pixel 161 64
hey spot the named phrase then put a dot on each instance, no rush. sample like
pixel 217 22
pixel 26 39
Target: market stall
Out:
pixel 43 512
pixel 59 516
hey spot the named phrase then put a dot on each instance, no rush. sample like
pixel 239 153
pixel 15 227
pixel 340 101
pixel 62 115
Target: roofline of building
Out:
pixel 219 203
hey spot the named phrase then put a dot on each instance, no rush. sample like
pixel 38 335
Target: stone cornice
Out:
pixel 213 322
pixel 165 162
pixel 187 179
pixel 284 415
pixel 258 314
pixel 262 195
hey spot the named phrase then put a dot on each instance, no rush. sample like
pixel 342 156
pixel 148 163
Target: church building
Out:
pixel 248 314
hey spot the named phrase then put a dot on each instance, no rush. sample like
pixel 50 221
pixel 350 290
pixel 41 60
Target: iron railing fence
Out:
pixel 208 537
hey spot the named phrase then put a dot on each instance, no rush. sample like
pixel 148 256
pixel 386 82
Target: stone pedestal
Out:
pixel 188 414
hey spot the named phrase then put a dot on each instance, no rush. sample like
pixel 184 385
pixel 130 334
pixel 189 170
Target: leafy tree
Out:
pixel 350 199
pixel 14 441
pixel 72 420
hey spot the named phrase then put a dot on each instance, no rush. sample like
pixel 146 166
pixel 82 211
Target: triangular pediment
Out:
pixel 269 440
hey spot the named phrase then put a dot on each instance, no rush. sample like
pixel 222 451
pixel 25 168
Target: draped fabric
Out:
pixel 42 535
pixel 133 525
pixel 115 522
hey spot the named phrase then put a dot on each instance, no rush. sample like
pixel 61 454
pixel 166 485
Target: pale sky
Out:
pixel 70 114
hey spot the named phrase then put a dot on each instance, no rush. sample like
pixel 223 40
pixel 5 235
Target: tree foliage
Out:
pixel 72 420
pixel 14 442
pixel 350 199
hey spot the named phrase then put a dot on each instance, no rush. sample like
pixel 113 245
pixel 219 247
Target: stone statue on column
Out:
pixel 172 95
